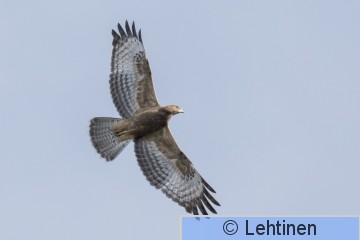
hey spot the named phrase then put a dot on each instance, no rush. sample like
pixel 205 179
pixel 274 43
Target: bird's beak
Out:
pixel 180 111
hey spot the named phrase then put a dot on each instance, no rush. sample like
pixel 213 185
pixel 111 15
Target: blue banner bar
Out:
pixel 262 228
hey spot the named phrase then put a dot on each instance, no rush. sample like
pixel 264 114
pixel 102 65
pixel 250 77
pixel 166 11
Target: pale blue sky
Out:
pixel 270 91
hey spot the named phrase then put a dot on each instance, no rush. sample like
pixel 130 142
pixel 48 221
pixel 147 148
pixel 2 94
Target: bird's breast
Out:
pixel 148 122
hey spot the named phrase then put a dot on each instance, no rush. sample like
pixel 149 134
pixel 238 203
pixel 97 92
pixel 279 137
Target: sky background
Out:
pixel 270 90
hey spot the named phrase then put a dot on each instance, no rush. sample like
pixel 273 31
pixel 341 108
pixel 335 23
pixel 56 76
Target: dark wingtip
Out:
pixel 211 198
pixel 116 37
pixel 127 32
pixel 121 31
pixel 194 210
pixel 207 204
pixel 114 33
pixel 127 27
pixel 140 38
pixel 207 185
pixel 133 29
pixel 201 207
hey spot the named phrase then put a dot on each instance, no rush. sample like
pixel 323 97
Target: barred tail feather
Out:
pixel 104 139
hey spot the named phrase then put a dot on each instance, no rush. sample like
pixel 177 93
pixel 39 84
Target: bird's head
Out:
pixel 172 109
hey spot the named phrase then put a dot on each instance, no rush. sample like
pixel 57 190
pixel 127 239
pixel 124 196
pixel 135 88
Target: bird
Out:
pixel 145 122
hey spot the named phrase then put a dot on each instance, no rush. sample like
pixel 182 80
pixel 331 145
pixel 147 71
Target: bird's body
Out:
pixel 143 123
pixel 146 123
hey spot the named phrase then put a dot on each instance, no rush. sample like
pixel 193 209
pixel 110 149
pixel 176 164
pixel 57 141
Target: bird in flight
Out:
pixel 145 122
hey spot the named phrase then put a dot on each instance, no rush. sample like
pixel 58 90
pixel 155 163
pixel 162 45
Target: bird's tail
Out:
pixel 104 139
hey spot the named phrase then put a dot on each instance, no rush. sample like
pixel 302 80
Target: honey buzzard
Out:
pixel 145 122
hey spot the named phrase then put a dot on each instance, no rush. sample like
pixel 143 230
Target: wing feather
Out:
pixel 134 30
pixel 207 204
pixel 167 168
pixel 121 31
pixel 128 31
pixel 131 84
pixel 140 38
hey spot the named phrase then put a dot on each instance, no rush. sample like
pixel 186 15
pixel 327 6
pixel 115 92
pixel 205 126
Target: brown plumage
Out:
pixel 145 122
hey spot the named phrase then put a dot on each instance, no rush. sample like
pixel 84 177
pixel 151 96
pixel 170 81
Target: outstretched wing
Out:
pixel 167 168
pixel 131 85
